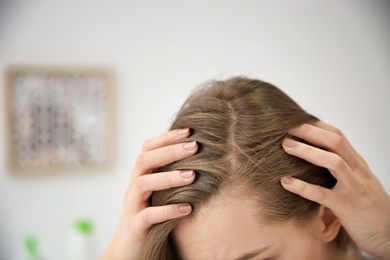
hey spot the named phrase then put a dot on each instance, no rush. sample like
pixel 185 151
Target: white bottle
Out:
pixel 80 241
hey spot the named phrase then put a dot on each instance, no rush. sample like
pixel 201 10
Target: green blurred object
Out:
pixel 83 226
pixel 31 246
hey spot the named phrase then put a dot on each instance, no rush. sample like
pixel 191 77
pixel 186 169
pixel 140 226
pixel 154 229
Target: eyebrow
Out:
pixel 252 254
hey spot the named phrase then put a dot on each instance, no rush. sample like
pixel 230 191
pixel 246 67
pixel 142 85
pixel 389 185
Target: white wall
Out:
pixel 332 57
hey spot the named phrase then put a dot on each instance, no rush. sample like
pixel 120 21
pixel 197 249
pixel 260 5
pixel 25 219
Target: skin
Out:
pixel 241 234
pixel 358 201
pixel 137 217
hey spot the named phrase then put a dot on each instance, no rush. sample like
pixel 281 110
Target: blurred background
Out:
pixel 332 57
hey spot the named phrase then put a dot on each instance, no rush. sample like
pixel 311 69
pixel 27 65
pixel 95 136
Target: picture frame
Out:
pixel 59 119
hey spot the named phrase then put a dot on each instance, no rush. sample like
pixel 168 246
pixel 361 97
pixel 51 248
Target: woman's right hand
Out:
pixel 137 215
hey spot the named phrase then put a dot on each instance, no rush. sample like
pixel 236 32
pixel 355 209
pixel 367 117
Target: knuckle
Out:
pixel 128 195
pixel 363 161
pixel 167 138
pixel 169 179
pixel 301 187
pixel 338 131
pixel 145 217
pixel 337 163
pixel 321 196
pixel 311 192
pixel 306 128
pixel 172 150
pixel 146 145
pixel 165 213
pixel 140 184
pixel 140 162
pixel 305 150
pixel 337 141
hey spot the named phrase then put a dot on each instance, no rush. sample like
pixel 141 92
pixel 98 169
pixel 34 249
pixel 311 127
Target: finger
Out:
pixel 162 156
pixel 146 184
pixel 153 215
pixel 328 139
pixel 165 139
pixel 333 162
pixel 326 126
pixel 329 198
pixel 309 191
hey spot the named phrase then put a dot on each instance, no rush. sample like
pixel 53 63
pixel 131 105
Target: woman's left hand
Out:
pixel 358 199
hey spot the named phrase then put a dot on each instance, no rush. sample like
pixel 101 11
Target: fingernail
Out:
pixel 183 131
pixel 187 174
pixel 185 208
pixel 289 144
pixel 189 146
pixel 286 180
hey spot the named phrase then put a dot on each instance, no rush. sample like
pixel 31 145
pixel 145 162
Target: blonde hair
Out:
pixel 239 125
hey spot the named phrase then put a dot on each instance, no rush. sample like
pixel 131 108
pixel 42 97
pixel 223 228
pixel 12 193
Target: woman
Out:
pixel 245 173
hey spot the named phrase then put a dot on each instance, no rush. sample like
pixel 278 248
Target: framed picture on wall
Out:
pixel 59 119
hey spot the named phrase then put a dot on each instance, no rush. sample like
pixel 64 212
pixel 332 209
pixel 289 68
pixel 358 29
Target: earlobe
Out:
pixel 330 224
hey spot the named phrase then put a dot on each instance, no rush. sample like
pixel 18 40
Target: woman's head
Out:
pixel 239 125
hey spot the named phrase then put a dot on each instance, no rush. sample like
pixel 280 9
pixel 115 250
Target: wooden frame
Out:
pixel 59 119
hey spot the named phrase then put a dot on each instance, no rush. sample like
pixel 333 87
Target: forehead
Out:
pixel 224 228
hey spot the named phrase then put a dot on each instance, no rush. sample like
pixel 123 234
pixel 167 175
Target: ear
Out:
pixel 328 225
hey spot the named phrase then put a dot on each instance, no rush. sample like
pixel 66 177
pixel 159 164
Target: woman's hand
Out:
pixel 137 215
pixel 358 199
